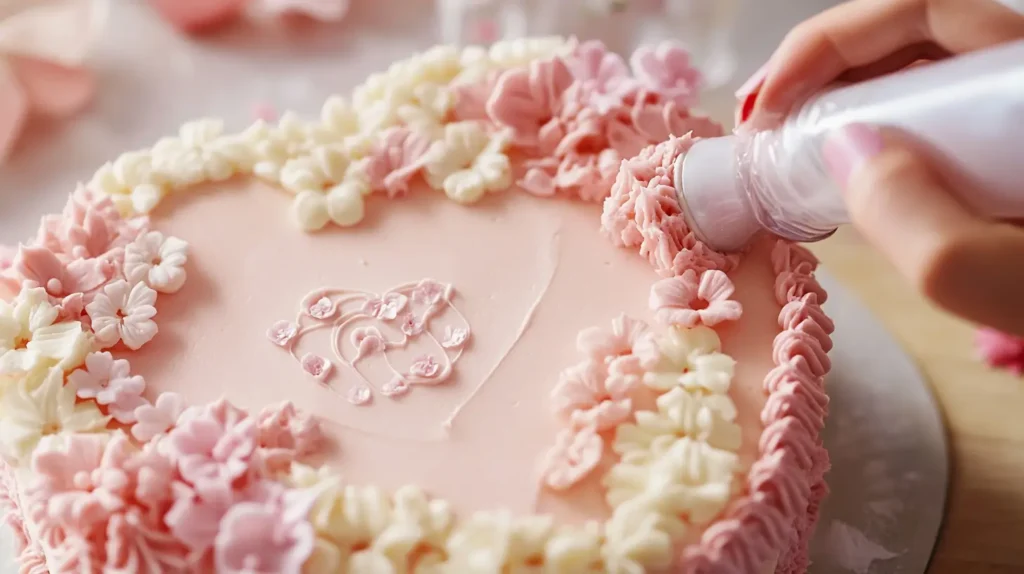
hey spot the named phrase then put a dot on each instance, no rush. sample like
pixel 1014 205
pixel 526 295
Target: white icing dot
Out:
pixel 359 395
pixel 145 197
pixel 345 205
pixel 310 209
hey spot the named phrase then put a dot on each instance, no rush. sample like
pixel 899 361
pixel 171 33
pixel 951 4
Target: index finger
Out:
pixel 863 32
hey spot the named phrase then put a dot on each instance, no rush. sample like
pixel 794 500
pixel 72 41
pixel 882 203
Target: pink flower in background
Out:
pixel 666 70
pixel 1001 350
pixel 40 267
pixel 194 16
pixel 43 48
pixel 396 160
pixel 687 301
pixel 603 75
pixel 602 344
pixel 318 9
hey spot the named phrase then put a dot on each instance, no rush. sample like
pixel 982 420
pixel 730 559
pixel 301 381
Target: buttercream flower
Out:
pixel 603 75
pixel 47 412
pixel 430 292
pixel 527 100
pixel 30 337
pixel 43 48
pixel 157 418
pixel 468 163
pixel 685 301
pixel 583 396
pixel 90 227
pixel 677 351
pixel 1000 349
pixel 637 538
pixel 271 535
pixel 213 445
pixel 681 413
pixel 109 382
pixel 40 267
pixel 282 332
pixel 425 367
pixel 387 307
pixel 498 541
pixel 396 160
pixel 575 455
pixel 601 344
pixel 286 435
pixel 123 313
pixel 157 261
pixel 454 337
pixel 113 495
pixel 666 69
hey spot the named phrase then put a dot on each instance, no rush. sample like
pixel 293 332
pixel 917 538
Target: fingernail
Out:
pixel 747 94
pixel 848 148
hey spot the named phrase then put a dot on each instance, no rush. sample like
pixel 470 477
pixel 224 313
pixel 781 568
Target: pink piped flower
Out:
pixel 387 307
pixel 525 101
pixel 396 160
pixel 286 435
pixel 1001 350
pixel 411 325
pixel 430 292
pixel 195 16
pixel 575 455
pixel 603 75
pixel 359 395
pixel 367 341
pixel 425 367
pixel 666 69
pixel 194 517
pixel 315 366
pixel 687 302
pixel 455 337
pixel 282 333
pixel 109 382
pixel 272 535
pixel 123 313
pixel 213 445
pixel 157 418
pixel 322 309
pixel 584 397
pixel 601 344
pixel 40 267
pixel 395 387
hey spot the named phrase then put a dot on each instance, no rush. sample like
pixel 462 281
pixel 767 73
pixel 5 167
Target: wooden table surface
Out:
pixel 984 411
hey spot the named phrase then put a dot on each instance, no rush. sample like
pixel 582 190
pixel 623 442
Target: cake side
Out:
pixel 768 517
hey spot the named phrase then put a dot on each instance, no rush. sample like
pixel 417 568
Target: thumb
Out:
pixel 905 208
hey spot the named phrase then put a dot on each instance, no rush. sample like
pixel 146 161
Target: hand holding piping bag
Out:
pixel 969 265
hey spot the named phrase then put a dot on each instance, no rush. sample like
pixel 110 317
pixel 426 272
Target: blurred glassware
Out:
pixel 704 27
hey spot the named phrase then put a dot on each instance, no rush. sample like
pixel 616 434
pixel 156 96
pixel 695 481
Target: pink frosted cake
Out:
pixel 455 325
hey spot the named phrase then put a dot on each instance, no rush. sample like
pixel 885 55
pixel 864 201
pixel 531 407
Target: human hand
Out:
pixel 896 198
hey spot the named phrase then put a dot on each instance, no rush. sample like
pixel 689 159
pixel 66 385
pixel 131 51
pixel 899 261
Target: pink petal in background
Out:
pixel 53 89
pixel 196 16
pixel 14 108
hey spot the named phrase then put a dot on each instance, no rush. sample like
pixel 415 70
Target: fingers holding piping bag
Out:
pixel 968 265
pixel 865 38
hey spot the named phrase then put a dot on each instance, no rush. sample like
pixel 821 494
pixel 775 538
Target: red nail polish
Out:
pixel 748 92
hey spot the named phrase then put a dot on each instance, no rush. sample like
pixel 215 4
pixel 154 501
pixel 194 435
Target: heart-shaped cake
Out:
pixel 457 324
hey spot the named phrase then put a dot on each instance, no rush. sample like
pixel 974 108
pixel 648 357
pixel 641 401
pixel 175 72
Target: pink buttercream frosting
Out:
pixel 688 301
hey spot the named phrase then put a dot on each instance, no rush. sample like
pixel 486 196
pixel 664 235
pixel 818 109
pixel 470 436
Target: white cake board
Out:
pixel 886 438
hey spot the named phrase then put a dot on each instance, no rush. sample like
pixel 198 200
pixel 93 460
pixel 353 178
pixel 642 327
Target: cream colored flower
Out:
pixel 346 519
pixel 636 540
pixel 492 542
pixel 468 162
pixel 711 419
pixel 48 413
pixel 690 480
pixel 157 261
pixel 30 339
pixel 668 356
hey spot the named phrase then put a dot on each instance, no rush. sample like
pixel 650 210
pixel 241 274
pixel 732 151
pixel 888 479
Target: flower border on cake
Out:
pixel 108 481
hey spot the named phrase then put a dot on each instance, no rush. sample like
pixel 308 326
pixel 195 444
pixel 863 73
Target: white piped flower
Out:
pixel 29 338
pixel 636 540
pixel 123 313
pixel 467 163
pixel 309 208
pixel 47 412
pixel 157 261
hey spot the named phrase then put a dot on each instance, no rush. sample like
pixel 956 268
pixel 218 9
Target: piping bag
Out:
pixel 967 113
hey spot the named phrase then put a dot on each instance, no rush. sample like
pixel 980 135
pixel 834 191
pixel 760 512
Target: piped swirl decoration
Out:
pixel 108 480
pixel 407 311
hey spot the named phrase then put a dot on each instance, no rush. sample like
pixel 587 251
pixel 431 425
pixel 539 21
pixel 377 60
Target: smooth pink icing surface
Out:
pixel 531 274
